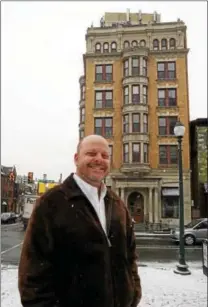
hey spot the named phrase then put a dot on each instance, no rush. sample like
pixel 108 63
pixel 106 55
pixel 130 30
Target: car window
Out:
pixel 203 225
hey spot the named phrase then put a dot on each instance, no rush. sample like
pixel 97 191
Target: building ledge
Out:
pixel 140 168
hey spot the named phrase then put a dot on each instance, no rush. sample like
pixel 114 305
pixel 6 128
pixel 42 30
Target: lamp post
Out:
pixel 181 267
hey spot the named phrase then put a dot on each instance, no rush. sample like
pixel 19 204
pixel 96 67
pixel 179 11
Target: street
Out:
pixel 149 249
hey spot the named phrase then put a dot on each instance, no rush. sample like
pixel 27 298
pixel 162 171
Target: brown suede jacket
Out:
pixel 68 261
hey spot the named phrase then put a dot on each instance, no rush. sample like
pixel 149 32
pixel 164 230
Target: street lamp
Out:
pixel 181 267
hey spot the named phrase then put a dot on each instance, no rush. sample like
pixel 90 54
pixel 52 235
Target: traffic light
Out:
pixel 30 177
pixel 11 176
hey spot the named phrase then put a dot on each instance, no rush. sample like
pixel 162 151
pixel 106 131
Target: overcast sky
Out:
pixel 42 47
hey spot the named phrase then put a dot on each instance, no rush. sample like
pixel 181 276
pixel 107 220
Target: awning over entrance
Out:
pixel 170 191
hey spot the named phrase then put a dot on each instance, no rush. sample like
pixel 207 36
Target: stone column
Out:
pixel 150 206
pixel 130 94
pixel 130 122
pixel 156 207
pixel 130 66
pixel 117 191
pixel 122 194
pixel 141 71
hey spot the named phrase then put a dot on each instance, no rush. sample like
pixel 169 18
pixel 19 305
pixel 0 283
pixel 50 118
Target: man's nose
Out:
pixel 98 157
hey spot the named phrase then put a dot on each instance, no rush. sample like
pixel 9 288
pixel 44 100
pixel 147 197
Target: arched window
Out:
pixel 164 44
pixel 142 43
pixel 126 44
pixel 172 43
pixel 134 43
pixel 105 47
pixel 98 47
pixel 155 44
pixel 113 46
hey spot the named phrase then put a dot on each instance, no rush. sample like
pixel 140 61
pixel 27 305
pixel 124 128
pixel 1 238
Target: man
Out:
pixel 79 248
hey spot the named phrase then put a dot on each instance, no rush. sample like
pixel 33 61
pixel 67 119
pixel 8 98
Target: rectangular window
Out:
pixel 126 153
pixel 167 97
pixel 135 66
pixel 103 99
pixel 126 68
pixel 135 94
pixel 146 152
pixel 82 115
pixel 104 126
pixel 168 154
pixel 166 70
pixel 104 73
pixel 126 95
pixel 144 68
pixel 145 123
pixel 145 100
pixel 170 207
pixel 136 122
pixel 167 124
pixel 136 152
pixel 126 123
pixel 111 153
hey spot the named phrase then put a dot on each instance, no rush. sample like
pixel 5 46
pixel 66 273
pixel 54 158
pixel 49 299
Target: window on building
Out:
pixel 104 73
pixel 126 68
pixel 167 97
pixel 145 100
pixel 146 152
pixel 142 43
pixel 135 94
pixel 155 44
pixel 126 44
pixel 104 126
pixel 172 43
pixel 167 124
pixel 134 43
pixel 82 115
pixel 126 123
pixel 111 153
pixel 103 99
pixel 144 68
pixel 168 154
pixel 135 66
pixel 105 47
pixel 113 46
pixel 170 207
pixel 145 123
pixel 81 134
pixel 126 95
pixel 136 152
pixel 166 70
pixel 136 122
pixel 83 92
pixel 164 44
pixel 126 153
pixel 98 47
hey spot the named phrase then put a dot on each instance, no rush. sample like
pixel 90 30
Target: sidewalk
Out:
pixel 152 235
pixel 160 286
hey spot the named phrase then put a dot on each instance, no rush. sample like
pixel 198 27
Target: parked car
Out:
pixel 194 232
pixel 8 218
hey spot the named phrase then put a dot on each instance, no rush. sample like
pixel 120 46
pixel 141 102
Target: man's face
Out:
pixel 93 161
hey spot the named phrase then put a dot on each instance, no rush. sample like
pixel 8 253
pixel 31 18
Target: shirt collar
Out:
pixel 89 187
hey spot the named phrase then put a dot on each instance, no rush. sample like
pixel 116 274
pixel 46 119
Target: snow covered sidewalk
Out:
pixel 161 287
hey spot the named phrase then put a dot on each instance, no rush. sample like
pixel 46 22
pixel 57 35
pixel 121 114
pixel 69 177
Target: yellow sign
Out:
pixel 43 187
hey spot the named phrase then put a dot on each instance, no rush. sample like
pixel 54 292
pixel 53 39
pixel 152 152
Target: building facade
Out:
pixel 199 164
pixel 134 88
pixel 9 189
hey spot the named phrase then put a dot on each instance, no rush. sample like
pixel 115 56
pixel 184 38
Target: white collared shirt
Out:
pixel 92 195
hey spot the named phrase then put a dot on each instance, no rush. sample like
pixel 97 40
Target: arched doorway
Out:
pixel 136 206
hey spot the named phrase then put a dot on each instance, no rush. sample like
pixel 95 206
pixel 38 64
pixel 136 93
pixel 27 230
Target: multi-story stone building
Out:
pixel 199 166
pixel 8 188
pixel 134 88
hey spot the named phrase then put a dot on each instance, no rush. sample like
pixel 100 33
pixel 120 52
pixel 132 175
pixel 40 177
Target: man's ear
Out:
pixel 76 159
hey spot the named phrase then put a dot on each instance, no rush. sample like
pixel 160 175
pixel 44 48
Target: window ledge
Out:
pixel 166 136
pixel 168 166
pixel 103 109
pixel 167 79
pixel 167 107
pixel 104 82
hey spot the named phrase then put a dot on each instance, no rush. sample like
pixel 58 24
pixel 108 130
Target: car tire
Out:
pixel 189 240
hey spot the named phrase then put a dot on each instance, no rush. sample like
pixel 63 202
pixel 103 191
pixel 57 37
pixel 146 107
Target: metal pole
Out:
pixel 182 267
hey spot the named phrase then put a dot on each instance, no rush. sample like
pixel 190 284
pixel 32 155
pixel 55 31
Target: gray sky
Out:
pixel 42 47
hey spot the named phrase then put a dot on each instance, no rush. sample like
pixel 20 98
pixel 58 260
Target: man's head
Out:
pixel 92 159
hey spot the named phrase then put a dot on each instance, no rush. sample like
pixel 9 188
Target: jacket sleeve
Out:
pixel 35 275
pixel 132 258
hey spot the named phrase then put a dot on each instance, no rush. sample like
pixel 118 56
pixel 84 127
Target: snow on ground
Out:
pixel 161 287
